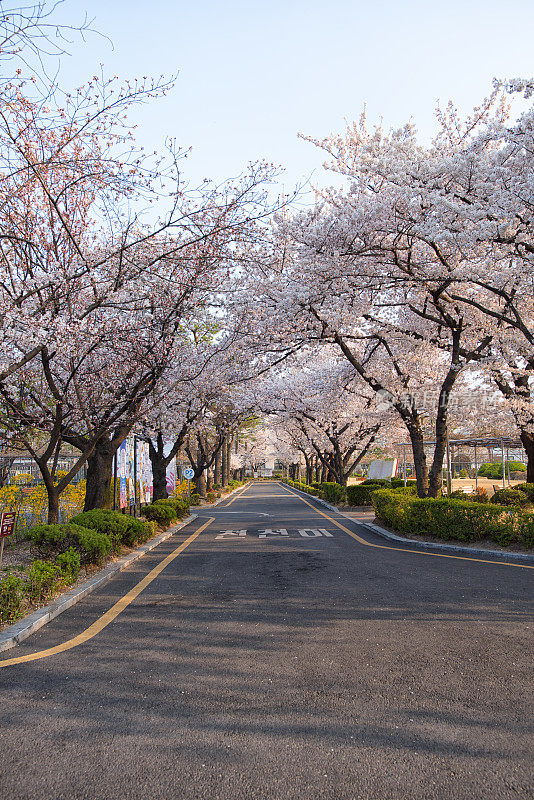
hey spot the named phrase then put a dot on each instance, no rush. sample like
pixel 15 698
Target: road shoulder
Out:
pixel 417 544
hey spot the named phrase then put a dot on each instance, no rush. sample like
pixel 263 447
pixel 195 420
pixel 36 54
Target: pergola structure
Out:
pixel 505 443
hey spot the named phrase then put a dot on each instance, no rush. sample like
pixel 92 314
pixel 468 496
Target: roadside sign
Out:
pixel 189 473
pixel 7 528
pixel 7 523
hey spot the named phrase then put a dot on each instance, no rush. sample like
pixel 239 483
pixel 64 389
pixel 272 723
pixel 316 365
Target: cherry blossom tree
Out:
pixel 322 411
pixel 396 270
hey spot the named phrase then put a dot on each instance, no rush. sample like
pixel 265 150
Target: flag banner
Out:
pixel 171 476
pixel 123 472
pixel 131 470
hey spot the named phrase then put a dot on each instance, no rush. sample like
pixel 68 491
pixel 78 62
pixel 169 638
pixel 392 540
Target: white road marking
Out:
pixel 271 532
pixel 226 534
pixel 309 533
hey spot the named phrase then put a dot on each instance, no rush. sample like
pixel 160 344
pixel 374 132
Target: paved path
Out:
pixel 264 665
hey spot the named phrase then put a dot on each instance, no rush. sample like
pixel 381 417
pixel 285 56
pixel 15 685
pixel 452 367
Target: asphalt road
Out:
pixel 266 665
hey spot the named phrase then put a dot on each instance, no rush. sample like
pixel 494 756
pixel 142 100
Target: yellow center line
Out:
pixel 403 549
pixel 236 497
pixel 115 609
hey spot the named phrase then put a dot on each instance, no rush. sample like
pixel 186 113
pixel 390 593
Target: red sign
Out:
pixel 7 523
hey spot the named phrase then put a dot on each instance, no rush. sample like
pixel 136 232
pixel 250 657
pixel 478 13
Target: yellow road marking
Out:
pixel 236 496
pixel 115 609
pixel 406 550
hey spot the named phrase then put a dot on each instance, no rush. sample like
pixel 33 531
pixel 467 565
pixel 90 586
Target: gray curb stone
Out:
pixel 428 546
pixel 21 630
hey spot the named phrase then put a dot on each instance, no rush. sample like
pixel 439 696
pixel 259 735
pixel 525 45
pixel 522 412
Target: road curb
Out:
pixel 424 545
pixel 33 622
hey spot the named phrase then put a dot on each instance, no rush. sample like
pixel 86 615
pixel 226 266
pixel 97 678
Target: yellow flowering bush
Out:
pixel 22 478
pixel 32 503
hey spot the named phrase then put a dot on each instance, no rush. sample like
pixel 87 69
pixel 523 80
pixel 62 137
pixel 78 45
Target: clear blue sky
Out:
pixel 254 74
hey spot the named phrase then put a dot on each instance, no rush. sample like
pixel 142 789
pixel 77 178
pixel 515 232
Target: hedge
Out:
pixel 360 494
pixel 180 505
pixel 308 489
pixel 526 488
pixel 11 598
pixel 121 528
pixel 332 492
pixel 43 580
pixel 162 512
pixel 509 497
pixel 495 470
pixel 92 545
pixel 454 519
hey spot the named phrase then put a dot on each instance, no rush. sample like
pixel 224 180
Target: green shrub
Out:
pixel 360 494
pixel 195 499
pixel 398 483
pixel 314 491
pixel 121 528
pixel 180 505
pixel 410 488
pixel 454 519
pixel 50 540
pixel 44 579
pixel 211 497
pixel 69 563
pixel 138 532
pixel 160 512
pixel 525 529
pixel 528 489
pixel 495 470
pixel 93 546
pixel 332 492
pixel 463 473
pixel 509 497
pixel 11 598
pixel 390 507
pixel 516 466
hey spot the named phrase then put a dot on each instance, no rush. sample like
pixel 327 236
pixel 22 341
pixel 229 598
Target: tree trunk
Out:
pixel 419 459
pixel 309 469
pixel 528 443
pixel 53 504
pixel 201 484
pixel 158 462
pixel 217 469
pixel 227 454
pixel 100 475
pixel 159 474
pixel 224 464
pixel 209 480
